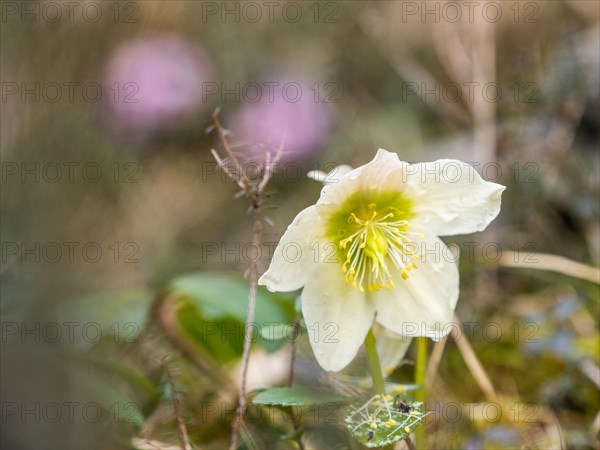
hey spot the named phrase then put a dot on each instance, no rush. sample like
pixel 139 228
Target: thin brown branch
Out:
pixel 254 190
pixel 470 358
pixel 410 444
pixel 256 241
pixel 434 362
pixel 224 140
pixel 270 164
pixel 554 263
pixel 230 173
pixel 182 433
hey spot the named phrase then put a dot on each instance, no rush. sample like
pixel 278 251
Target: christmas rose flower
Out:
pixel 369 250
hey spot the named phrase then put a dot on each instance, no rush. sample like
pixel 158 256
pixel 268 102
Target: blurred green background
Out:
pixel 122 243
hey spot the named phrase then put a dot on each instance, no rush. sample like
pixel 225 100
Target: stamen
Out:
pixel 372 244
pixel 375 242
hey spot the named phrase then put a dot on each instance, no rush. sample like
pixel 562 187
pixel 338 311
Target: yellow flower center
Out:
pixel 371 231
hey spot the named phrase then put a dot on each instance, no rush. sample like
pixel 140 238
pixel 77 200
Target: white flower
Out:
pixel 369 250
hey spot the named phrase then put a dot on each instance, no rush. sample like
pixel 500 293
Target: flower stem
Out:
pixel 374 365
pixel 420 372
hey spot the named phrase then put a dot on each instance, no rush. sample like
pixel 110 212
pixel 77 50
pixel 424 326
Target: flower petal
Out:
pixel 391 348
pixel 337 317
pixel 292 260
pixel 450 197
pixel 371 175
pixel 330 177
pixel 423 304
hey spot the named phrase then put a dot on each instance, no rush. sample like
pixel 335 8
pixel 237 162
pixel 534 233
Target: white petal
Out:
pixel 451 198
pixel 391 348
pixel 423 304
pixel 292 259
pixel 337 317
pixel 330 177
pixel 373 175
pixel 317 175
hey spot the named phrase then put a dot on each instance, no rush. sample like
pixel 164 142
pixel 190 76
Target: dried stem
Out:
pixel 410 444
pixel 224 141
pixel 468 354
pixel 553 263
pixel 256 239
pixel 434 362
pixel 184 441
pixel 254 190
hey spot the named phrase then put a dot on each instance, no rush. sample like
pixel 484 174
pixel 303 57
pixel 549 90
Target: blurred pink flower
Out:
pixel 295 110
pixel 153 83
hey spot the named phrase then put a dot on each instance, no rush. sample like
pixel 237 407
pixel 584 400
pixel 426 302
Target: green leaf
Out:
pixel 381 422
pixel 295 396
pixel 118 315
pixel 221 301
pixel 223 339
pixel 219 295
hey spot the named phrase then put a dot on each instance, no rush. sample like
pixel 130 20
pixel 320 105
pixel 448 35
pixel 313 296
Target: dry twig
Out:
pixel 254 191
pixel 473 363
pixel 182 433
